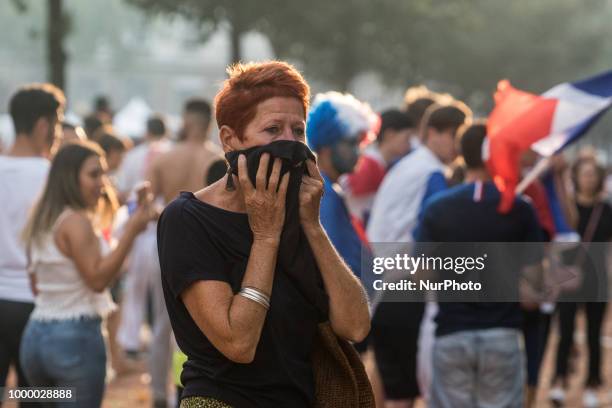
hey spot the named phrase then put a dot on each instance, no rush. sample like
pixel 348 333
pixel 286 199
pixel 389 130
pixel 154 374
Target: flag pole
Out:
pixel 541 166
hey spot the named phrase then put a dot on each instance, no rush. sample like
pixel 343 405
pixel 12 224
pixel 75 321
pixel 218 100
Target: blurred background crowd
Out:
pixel 139 77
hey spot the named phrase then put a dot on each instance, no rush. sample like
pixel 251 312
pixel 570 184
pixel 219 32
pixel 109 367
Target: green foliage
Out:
pixel 242 15
pixel 20 5
pixel 462 45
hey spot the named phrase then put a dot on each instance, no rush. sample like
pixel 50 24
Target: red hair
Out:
pixel 250 84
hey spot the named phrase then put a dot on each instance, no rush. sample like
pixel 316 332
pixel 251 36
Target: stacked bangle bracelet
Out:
pixel 255 295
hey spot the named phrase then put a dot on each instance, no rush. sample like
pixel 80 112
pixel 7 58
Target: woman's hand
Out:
pixel 311 192
pixel 265 205
pixel 145 212
pixel 558 164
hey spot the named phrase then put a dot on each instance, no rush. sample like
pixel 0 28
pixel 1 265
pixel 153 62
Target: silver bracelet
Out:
pixel 257 292
pixel 255 295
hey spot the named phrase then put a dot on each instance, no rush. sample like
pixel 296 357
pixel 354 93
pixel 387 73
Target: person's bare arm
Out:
pixel 532 288
pixel 568 206
pixel 77 239
pixel 567 203
pixel 31 274
pixel 349 313
pixel 33 286
pixel 231 322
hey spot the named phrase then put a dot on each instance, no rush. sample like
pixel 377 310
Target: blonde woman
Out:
pixel 71 268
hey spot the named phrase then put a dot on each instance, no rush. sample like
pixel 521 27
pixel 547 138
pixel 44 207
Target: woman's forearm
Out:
pixel 110 265
pixel 567 204
pixel 231 322
pixel 348 304
pixel 246 317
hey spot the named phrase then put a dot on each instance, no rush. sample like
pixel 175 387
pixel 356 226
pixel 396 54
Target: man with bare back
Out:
pixel 185 167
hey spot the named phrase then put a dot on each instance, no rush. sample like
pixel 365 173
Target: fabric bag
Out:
pixel 574 271
pixel 339 375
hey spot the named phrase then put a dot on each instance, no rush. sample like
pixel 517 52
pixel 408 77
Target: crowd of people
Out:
pixel 250 258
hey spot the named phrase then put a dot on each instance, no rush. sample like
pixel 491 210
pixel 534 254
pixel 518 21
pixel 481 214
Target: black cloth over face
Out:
pixel 295 257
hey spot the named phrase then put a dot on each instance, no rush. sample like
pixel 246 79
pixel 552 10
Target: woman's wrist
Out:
pixel 130 233
pixel 267 240
pixel 312 228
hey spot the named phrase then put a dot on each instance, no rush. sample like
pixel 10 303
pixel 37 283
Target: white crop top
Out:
pixel 62 292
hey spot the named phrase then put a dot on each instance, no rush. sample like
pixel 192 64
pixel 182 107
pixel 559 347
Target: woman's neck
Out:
pixel 217 195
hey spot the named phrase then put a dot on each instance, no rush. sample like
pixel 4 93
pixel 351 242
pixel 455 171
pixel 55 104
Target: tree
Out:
pixel 338 40
pixel 327 37
pixel 57 29
pixel 462 46
pixel 535 44
pixel 242 15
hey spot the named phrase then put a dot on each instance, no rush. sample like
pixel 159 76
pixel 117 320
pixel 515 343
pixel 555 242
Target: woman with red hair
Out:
pixel 248 272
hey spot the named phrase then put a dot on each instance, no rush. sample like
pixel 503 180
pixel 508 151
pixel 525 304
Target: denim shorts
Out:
pixel 66 353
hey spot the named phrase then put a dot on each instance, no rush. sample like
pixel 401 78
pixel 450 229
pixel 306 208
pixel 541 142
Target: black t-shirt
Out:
pixel 595 276
pixel 463 214
pixel 198 241
pixel 603 231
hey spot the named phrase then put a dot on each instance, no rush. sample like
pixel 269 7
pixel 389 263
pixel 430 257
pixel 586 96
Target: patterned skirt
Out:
pixel 202 402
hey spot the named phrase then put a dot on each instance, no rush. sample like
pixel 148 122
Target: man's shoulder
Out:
pixel 176 153
pixel 24 162
pixel 451 195
pixel 416 165
pixel 34 168
pixel 186 151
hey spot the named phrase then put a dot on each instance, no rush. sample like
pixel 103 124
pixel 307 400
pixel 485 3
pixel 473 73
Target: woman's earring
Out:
pixel 229 185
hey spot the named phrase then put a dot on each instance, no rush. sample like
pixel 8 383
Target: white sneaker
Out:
pixel 557 396
pixel 590 399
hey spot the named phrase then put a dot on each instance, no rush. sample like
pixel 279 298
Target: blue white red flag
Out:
pixel 545 123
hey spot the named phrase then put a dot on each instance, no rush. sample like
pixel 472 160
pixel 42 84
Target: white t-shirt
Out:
pixel 401 196
pixel 21 182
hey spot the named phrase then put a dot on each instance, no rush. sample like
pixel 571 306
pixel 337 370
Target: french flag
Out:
pixel 545 123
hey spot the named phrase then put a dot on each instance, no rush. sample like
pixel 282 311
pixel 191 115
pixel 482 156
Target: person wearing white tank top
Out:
pixel 62 294
pixel 71 267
